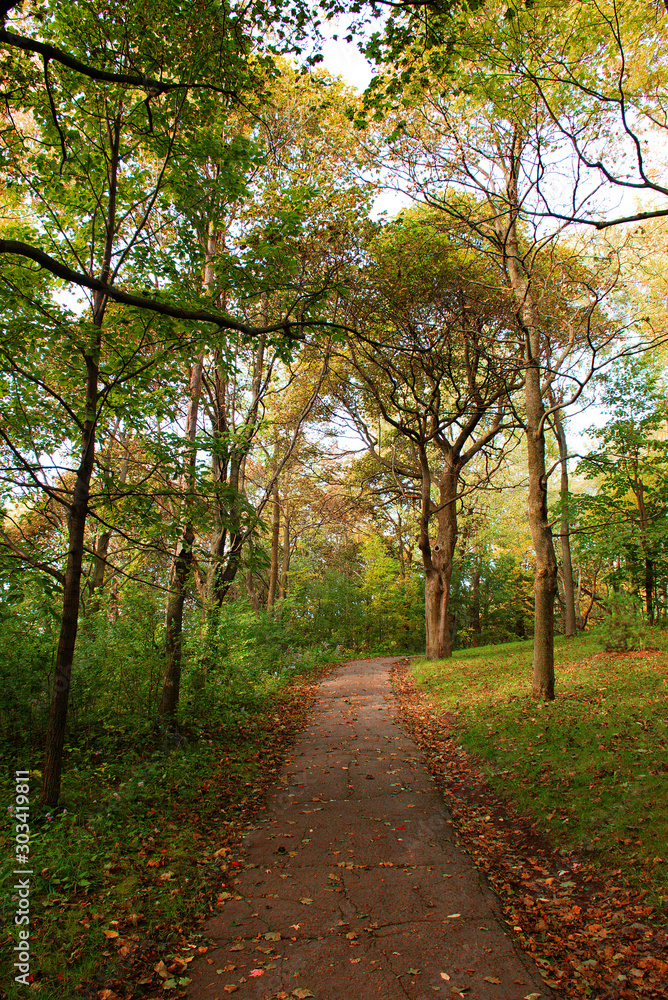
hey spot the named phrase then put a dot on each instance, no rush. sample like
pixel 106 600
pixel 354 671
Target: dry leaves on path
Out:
pixel 589 933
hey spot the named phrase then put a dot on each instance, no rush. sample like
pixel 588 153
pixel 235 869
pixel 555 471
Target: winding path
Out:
pixel 353 887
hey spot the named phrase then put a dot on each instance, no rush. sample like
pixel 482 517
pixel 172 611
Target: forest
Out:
pixel 293 372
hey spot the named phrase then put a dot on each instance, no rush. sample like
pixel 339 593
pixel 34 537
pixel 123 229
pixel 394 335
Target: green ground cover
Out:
pixel 591 767
pixel 139 848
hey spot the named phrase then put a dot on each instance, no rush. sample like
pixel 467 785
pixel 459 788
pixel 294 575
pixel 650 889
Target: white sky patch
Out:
pixel 344 59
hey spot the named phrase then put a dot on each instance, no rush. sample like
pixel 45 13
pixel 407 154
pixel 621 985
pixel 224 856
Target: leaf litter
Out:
pixel 589 932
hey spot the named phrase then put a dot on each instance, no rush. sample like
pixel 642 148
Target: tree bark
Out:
pixel 227 546
pixel 78 511
pixel 438 558
pixel 570 623
pixel 275 533
pixel 475 601
pixel 545 586
pixel 285 563
pixel 100 557
pixel 649 590
pixel 182 561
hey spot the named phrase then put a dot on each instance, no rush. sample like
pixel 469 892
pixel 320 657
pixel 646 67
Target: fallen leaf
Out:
pixel 453 916
pixel 272 936
pixel 492 979
pixel 230 988
pixel 111 934
pixel 413 972
pixel 302 994
pixel 178 965
pixel 237 947
pixel 445 976
pixel 256 972
pixel 306 901
pixel 161 969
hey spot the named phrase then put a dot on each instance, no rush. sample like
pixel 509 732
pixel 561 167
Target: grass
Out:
pixel 139 848
pixel 591 767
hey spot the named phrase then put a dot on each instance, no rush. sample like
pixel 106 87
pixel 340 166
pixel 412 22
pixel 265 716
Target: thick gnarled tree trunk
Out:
pixel 437 557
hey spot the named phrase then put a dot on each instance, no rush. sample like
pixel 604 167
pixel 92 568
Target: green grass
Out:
pixel 591 767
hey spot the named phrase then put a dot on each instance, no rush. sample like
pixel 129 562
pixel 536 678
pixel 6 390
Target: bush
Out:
pixel 623 629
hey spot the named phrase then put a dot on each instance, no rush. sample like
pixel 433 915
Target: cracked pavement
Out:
pixel 353 887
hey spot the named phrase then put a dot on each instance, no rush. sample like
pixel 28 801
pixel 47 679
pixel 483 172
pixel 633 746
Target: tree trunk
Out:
pixel 275 530
pixel 228 542
pixel 570 623
pixel 649 589
pixel 578 599
pixel 639 490
pixel 545 586
pixel 285 564
pixel 182 562
pixel 438 558
pixel 96 581
pixel 475 602
pixel 252 592
pixel 78 511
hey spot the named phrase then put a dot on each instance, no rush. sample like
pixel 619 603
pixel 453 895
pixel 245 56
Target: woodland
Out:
pixel 248 419
pixel 252 422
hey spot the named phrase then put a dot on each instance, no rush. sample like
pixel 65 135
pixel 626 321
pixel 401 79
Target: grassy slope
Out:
pixel 591 767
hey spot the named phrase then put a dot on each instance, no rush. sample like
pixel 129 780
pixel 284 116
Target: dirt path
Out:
pixel 353 888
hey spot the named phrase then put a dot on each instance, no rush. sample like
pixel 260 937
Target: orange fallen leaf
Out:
pixel 161 969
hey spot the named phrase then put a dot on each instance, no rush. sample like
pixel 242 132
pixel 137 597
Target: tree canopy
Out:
pixel 231 390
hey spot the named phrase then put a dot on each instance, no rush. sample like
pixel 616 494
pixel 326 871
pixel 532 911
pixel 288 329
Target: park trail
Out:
pixel 353 887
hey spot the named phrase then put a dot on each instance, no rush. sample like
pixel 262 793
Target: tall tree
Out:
pixel 630 468
pixel 473 150
pixel 91 161
pixel 436 359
